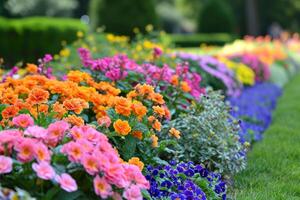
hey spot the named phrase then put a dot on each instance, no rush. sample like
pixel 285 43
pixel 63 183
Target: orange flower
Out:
pixel 31 68
pixel 132 94
pixel 74 120
pixel 175 133
pixel 145 89
pixel 123 106
pixel 59 110
pixel 157 98
pixel 156 125
pixel 137 134
pixel 174 80
pixel 9 97
pixel 160 111
pixel 151 119
pixel 139 109
pixel 136 161
pixel 38 95
pixel 122 127
pixel 77 76
pixel 42 108
pixel 154 139
pixel 75 104
pixel 168 113
pixel 9 112
pixel 185 86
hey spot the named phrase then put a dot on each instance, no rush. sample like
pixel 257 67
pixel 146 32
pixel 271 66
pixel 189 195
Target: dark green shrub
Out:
pixel 121 16
pixel 31 38
pixel 216 17
pixel 195 40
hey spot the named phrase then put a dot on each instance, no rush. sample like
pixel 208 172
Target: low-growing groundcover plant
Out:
pixel 210 135
pixel 255 117
pixel 184 181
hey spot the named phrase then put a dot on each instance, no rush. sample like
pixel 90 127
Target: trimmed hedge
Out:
pixel 30 38
pixel 195 40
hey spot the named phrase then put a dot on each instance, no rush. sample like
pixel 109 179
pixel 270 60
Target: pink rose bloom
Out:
pixel 44 170
pixel 133 193
pixel 134 175
pixel 86 145
pixel 90 163
pixel 42 153
pixel 25 149
pixel 5 165
pixel 77 132
pixel 56 132
pixel 73 150
pixel 8 139
pixel 104 121
pixel 66 182
pixel 102 187
pixel 23 121
pixel 36 131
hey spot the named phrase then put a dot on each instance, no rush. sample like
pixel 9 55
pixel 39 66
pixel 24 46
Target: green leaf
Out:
pixel 129 147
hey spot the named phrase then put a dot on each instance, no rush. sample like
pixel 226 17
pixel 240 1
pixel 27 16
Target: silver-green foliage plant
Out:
pixel 209 135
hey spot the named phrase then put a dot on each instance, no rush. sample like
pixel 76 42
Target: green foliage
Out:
pixel 210 135
pixel 194 40
pixel 216 17
pixel 62 8
pixel 31 38
pixel 122 16
pixel 272 171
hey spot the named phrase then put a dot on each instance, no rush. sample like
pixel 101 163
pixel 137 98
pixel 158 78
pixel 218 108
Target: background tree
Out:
pixel 122 16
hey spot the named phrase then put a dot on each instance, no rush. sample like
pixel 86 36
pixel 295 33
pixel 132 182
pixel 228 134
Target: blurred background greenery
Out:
pixel 29 28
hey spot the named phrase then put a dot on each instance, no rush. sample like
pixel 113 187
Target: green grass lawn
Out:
pixel 273 170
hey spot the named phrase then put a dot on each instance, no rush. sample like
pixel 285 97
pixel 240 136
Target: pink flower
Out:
pixel 36 131
pixel 133 193
pixel 23 121
pixel 90 163
pixel 42 153
pixel 73 150
pixel 104 121
pixel 56 132
pixel 44 170
pixel 8 139
pixel 66 182
pixel 25 149
pixel 134 175
pixel 77 132
pixel 5 165
pixel 102 187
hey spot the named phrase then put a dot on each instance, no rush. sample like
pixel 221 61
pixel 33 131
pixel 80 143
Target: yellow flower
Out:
pixel 65 52
pixel 149 28
pixel 79 34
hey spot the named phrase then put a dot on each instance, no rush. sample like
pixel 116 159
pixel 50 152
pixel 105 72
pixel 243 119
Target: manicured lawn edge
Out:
pixel 273 170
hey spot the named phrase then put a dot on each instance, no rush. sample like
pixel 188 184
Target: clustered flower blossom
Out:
pixel 181 181
pixel 217 69
pixel 119 67
pixel 261 69
pixel 255 116
pixel 85 147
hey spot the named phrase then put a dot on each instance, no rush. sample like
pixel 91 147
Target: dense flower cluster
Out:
pixel 119 67
pixel 83 146
pixel 184 181
pixel 216 69
pixel 261 70
pixel 255 117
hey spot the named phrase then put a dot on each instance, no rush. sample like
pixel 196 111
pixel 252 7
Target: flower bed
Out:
pixel 135 120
